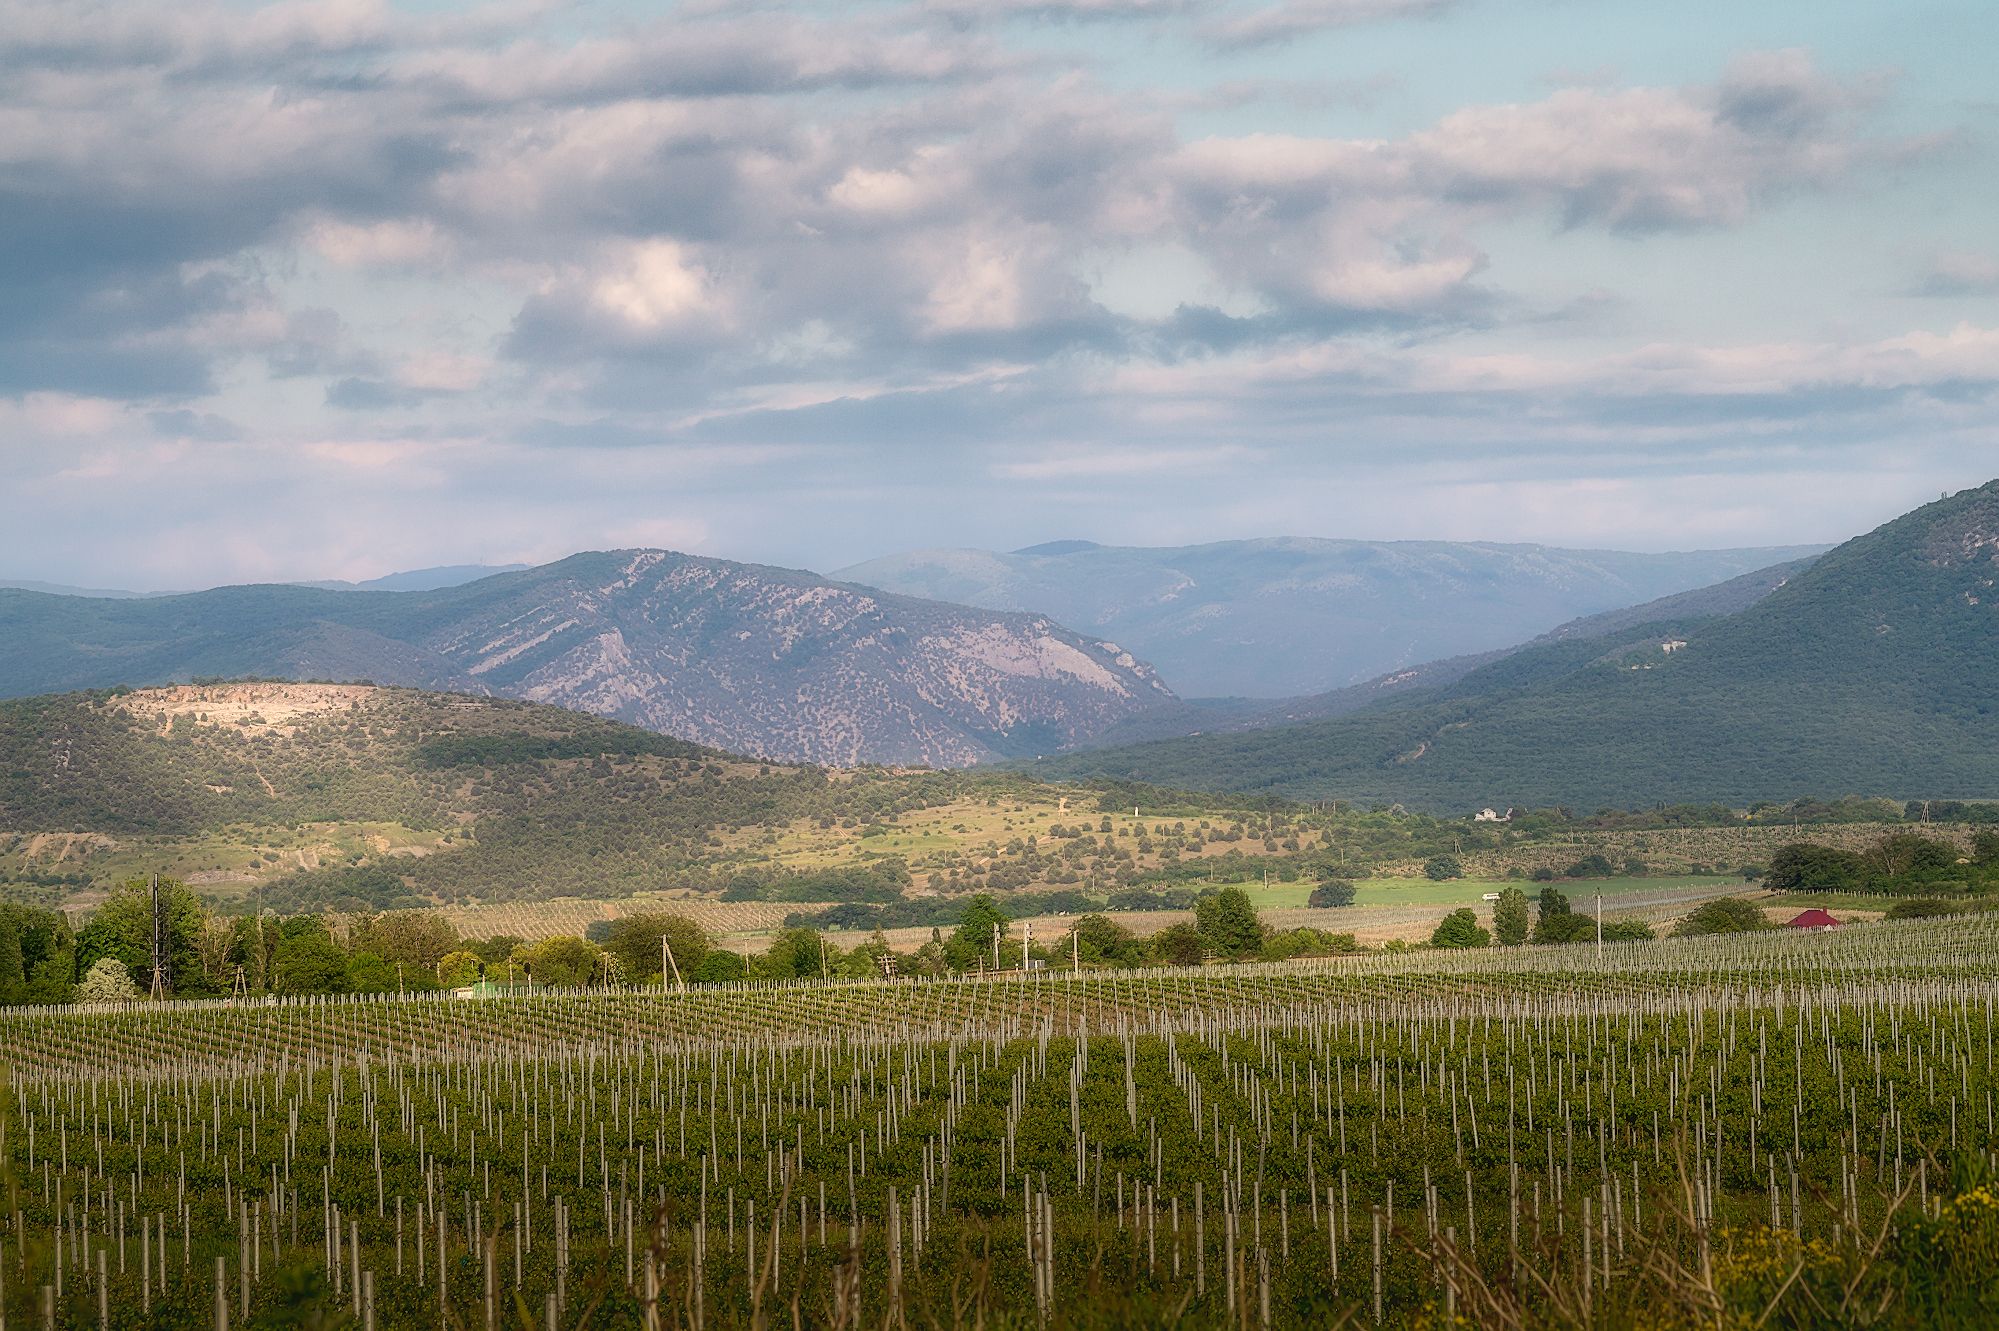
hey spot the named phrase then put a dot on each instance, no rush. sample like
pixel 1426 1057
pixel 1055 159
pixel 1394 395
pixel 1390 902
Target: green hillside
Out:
pixel 1874 671
pixel 302 796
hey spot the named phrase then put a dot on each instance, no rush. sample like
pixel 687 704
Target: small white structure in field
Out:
pixel 1672 645
pixel 1492 816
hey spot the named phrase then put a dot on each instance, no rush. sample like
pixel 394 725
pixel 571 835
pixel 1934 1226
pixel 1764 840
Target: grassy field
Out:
pixel 1452 893
pixel 1715 1131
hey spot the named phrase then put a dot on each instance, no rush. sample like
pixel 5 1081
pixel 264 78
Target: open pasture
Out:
pixel 1797 1127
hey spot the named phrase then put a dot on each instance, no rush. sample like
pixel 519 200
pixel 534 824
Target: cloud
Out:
pixel 892 250
pixel 1959 273
pixel 1136 462
pixel 1271 25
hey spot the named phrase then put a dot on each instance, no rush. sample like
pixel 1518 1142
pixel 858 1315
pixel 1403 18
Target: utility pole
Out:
pixel 1026 938
pixel 1075 955
pixel 666 961
pixel 1599 928
pixel 162 980
pixel 996 933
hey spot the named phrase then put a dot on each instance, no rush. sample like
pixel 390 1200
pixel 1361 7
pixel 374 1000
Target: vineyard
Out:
pixel 1786 1129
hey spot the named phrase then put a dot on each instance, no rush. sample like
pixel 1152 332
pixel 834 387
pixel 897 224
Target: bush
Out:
pixel 1590 866
pixel 1307 942
pixel 1921 908
pixel 1332 892
pixel 1438 868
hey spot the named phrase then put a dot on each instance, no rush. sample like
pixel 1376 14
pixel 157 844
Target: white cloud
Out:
pixel 658 286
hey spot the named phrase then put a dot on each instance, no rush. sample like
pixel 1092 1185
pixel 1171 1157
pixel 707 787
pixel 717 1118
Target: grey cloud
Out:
pixel 357 394
pixel 1272 25
pixel 205 426
pixel 1960 273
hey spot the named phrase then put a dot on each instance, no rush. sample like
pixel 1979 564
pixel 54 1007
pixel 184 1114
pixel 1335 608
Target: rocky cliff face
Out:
pixel 764 661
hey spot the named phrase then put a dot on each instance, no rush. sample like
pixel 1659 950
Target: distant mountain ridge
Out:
pixel 1875 670
pixel 1435 679
pixel 1290 616
pixel 770 662
pixel 412 580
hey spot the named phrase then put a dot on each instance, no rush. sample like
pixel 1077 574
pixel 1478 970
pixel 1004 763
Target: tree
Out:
pixel 455 970
pixel 1228 922
pixel 1099 938
pixel 1910 855
pixel 122 927
pixel 1555 922
pixel 634 942
pixel 13 965
pixel 306 959
pixel 1461 929
pixel 107 982
pixel 1441 867
pixel 565 962
pixel 970 943
pixel 1725 915
pixel 798 954
pixel 1179 945
pixel 1332 892
pixel 1590 866
pixel 1804 867
pixel 417 938
pixel 1509 917
pixel 719 966
pixel 1985 848
pixel 370 973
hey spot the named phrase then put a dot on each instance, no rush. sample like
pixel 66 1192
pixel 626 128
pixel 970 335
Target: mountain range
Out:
pixel 1873 670
pixel 1291 616
pixel 773 663
pixel 412 580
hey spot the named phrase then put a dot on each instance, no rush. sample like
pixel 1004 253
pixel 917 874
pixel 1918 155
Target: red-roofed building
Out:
pixel 1813 919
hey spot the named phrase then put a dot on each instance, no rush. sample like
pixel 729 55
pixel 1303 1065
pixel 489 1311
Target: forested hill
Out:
pixel 767 661
pixel 1875 670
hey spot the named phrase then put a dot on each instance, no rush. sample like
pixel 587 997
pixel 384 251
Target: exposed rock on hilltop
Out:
pixel 785 664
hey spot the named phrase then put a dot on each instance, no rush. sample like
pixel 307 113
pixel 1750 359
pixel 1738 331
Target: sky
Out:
pixel 330 288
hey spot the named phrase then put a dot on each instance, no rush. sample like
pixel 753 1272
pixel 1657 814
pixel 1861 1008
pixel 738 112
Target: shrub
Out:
pixel 1921 908
pixel 1438 868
